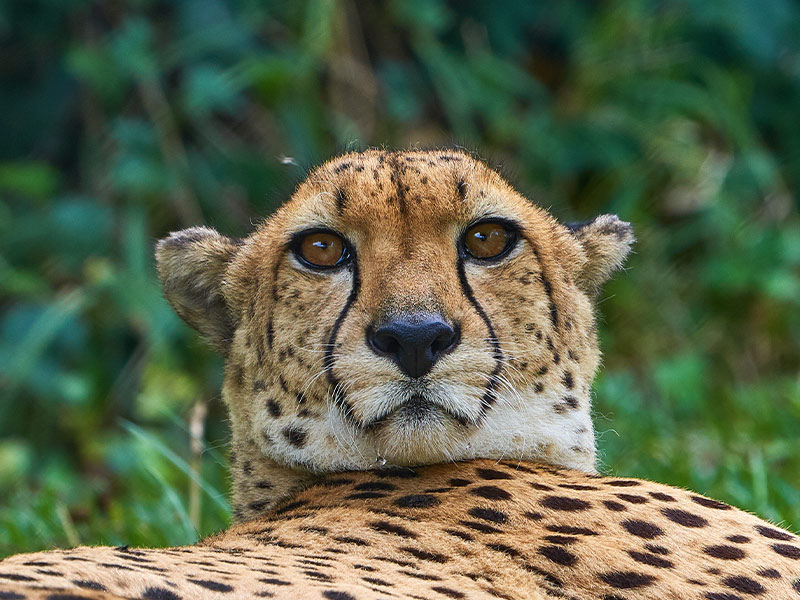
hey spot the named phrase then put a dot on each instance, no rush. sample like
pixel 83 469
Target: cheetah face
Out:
pixel 402 307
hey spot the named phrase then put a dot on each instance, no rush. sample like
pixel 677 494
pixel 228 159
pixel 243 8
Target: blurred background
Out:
pixel 123 120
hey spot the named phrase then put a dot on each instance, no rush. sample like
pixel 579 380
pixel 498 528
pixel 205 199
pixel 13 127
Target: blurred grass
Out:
pixel 125 120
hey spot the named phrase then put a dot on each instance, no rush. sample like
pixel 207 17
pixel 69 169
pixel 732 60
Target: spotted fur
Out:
pixel 479 529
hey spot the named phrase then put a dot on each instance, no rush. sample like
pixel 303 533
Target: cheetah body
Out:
pixel 477 529
pixel 509 506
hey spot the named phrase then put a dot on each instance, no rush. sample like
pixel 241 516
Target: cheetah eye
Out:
pixel 490 240
pixel 321 249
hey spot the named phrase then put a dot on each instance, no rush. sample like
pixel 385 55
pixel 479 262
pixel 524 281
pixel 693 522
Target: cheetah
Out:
pixel 409 347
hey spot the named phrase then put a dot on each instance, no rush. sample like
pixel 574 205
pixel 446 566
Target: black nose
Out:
pixel 415 343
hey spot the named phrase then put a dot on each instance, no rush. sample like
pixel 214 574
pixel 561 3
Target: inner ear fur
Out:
pixel 191 265
pixel 606 242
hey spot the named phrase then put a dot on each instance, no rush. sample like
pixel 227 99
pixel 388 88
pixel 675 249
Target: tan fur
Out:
pixel 479 529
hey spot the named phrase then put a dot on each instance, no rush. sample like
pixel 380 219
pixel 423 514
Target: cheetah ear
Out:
pixel 191 266
pixel 606 242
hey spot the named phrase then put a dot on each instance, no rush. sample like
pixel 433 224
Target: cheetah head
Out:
pixel 402 307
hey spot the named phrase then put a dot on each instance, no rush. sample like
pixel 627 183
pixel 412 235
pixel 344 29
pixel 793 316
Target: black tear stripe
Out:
pixel 548 287
pixel 328 359
pixel 270 318
pixel 490 395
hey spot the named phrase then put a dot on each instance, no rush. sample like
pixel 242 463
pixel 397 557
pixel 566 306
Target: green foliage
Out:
pixel 122 121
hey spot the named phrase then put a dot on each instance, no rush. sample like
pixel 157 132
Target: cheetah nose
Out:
pixel 414 342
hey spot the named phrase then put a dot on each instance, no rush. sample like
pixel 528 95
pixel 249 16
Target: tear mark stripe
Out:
pixel 490 395
pixel 333 381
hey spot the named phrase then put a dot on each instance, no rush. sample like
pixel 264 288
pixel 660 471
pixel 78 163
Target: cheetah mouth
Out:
pixel 415 412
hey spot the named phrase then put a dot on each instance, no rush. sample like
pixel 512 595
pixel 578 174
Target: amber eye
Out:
pixel 321 249
pixel 489 240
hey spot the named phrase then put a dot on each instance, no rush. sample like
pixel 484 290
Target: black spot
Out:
pixel 457 482
pixel 614 505
pixel 774 534
pixel 627 579
pixel 386 527
pixel 578 486
pixel 424 555
pixel 632 498
pixel 375 486
pixel 744 584
pixel 722 596
pixel 787 550
pixel 651 559
pixel 656 549
pixel 273 408
pixel 541 486
pixel 558 555
pixel 488 514
pixel 291 506
pixel 681 517
pixel 417 501
pixel 376 581
pixel 504 549
pixel 769 573
pixel 214 586
pixel 399 472
pixel 642 529
pixel 662 497
pixel 709 503
pixel 334 595
pixel 461 189
pixel 724 551
pixel 159 593
pixel 564 503
pixel 492 474
pixel 482 527
pixel 624 483
pixel 13 577
pixel 460 534
pixel 259 505
pixel 11 596
pixel 272 581
pixel 318 575
pixel 295 436
pixel 738 539
pixel 561 540
pixel 533 516
pixel 569 530
pixel 351 540
pixel 569 383
pixel 490 492
pixel 450 593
